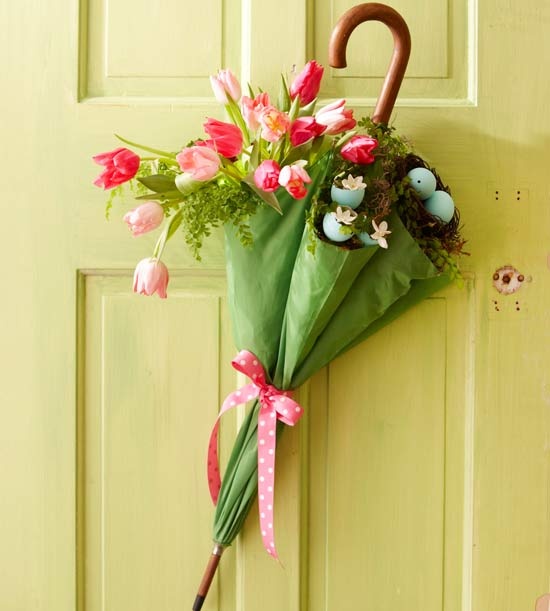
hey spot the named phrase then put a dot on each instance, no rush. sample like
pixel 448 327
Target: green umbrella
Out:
pixel 258 279
pixel 297 310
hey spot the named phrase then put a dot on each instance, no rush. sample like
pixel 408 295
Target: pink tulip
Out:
pixel 307 83
pixel 274 124
pixel 223 84
pixel 337 118
pixel 144 218
pixel 199 161
pixel 121 165
pixel 253 108
pixel 358 149
pixel 304 129
pixel 151 276
pixel 227 138
pixel 266 175
pixel 293 177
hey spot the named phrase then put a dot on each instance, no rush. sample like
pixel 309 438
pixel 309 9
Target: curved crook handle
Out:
pixel 372 11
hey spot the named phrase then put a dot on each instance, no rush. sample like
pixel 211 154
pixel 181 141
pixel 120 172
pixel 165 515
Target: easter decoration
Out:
pixel 333 228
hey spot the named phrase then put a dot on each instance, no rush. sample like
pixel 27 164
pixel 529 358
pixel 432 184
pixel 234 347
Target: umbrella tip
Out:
pixel 199 601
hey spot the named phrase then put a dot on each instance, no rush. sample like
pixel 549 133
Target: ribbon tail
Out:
pixel 244 394
pixel 213 468
pixel 267 440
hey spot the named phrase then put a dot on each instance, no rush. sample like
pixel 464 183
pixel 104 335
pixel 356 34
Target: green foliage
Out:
pixel 215 204
pixel 116 193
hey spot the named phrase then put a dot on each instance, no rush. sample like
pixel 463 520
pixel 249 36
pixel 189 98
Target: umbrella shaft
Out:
pixel 208 576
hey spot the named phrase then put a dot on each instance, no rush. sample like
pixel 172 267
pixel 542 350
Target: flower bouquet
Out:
pixel 333 228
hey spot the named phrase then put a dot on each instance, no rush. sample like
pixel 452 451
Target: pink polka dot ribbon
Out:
pixel 274 405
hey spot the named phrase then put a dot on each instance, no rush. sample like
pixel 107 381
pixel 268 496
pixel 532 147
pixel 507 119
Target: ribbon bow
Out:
pixel 274 405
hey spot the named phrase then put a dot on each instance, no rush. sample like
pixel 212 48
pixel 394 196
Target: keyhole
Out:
pixel 507 280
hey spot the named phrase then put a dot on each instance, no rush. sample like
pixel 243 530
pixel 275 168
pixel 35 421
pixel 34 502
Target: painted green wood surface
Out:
pixel 419 477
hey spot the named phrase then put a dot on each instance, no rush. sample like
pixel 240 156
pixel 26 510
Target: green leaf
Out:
pixel 161 197
pixel 321 146
pixel 147 148
pixel 255 155
pixel 284 95
pixel 269 198
pixel 175 222
pixel 159 183
pixel 294 109
pixel 307 111
pixel 298 152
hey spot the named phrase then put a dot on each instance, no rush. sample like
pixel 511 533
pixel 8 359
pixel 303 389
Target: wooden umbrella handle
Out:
pixel 373 11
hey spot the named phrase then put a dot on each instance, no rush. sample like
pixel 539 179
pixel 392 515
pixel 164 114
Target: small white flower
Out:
pixel 345 215
pixel 380 231
pixel 353 183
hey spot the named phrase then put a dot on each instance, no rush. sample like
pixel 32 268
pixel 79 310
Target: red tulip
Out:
pixel 121 165
pixel 151 276
pixel 293 177
pixel 358 149
pixel 228 138
pixel 266 176
pixel 307 83
pixel 304 129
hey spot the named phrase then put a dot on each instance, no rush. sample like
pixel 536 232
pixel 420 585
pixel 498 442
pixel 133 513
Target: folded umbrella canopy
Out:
pixel 295 308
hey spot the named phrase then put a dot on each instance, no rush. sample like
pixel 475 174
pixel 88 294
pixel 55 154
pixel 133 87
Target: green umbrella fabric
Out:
pixel 380 285
pixel 259 279
pixel 336 299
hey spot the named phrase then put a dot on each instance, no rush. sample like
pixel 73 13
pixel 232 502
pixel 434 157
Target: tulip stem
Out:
pixel 226 171
pixel 165 160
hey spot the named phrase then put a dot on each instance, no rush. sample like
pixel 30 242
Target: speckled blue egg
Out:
pixel 331 227
pixel 347 197
pixel 367 240
pixel 423 182
pixel 441 204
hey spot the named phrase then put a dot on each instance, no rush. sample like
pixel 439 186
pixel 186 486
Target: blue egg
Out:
pixel 367 240
pixel 441 204
pixel 423 182
pixel 347 197
pixel 331 227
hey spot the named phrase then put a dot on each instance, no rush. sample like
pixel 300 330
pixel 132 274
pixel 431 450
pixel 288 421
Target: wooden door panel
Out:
pixel 151 388
pixel 390 466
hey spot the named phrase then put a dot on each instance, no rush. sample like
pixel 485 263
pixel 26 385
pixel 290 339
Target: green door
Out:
pixel 419 477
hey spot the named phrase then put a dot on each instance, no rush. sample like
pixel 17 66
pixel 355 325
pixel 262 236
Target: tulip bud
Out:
pixel 144 218
pixel 151 276
pixel 307 83
pixel 223 84
pixel 359 150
